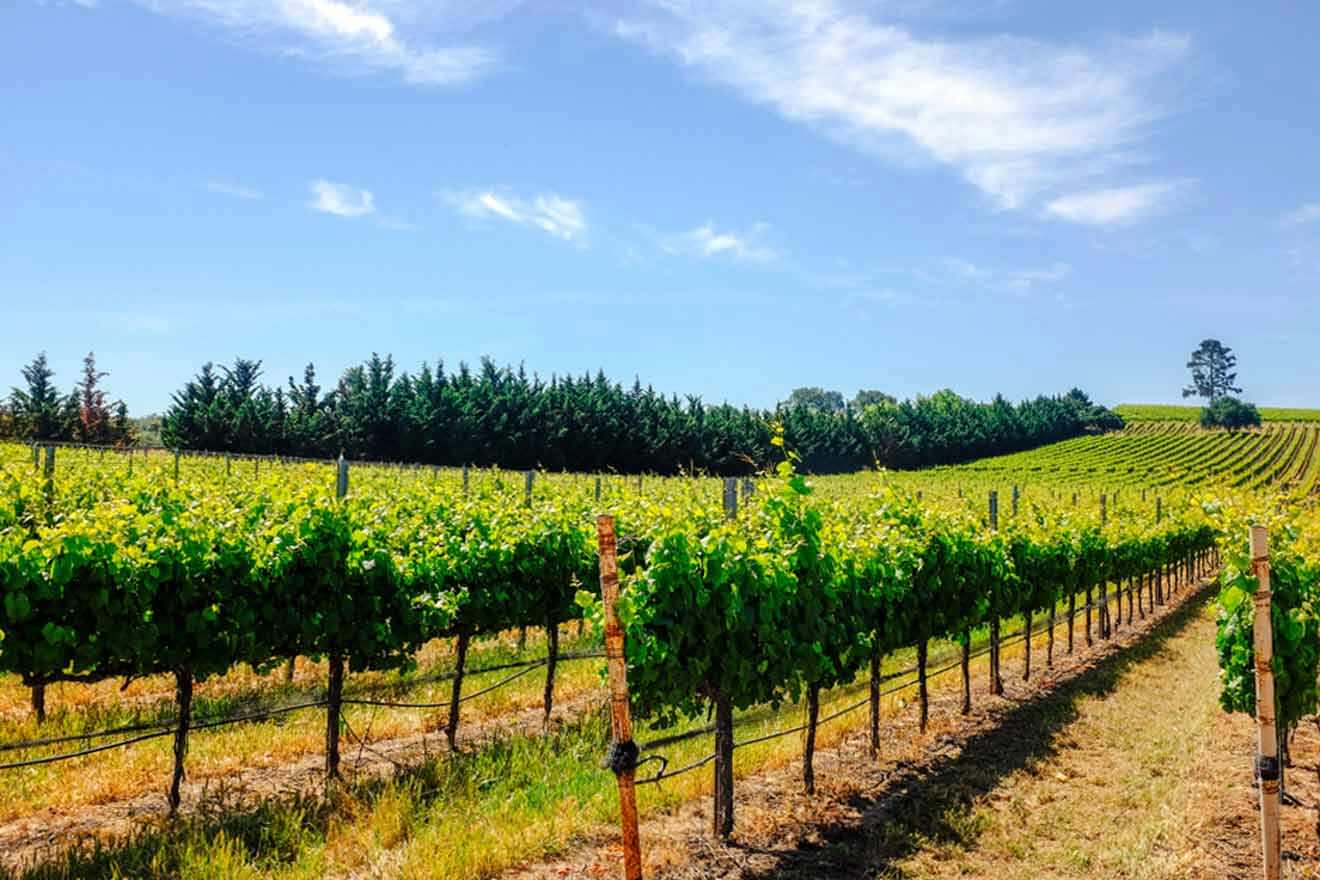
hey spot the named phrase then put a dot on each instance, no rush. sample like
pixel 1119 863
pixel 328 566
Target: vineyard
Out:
pixel 426 643
pixel 1161 455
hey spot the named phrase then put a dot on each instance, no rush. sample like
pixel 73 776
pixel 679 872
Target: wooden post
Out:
pixel 1016 495
pixel 335 660
pixel 466 479
pixel 598 488
pixel 623 749
pixel 730 498
pixel 1267 748
pixel 528 479
pixel 176 466
pixel 996 683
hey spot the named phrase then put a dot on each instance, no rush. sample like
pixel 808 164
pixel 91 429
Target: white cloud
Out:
pixel 1115 205
pixel 1303 214
pixel 357 36
pixel 563 218
pixel 1016 280
pixel 341 199
pixel 1016 117
pixel 707 241
pixel 236 190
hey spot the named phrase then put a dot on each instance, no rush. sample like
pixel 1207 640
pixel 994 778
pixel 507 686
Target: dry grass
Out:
pixel 216 755
pixel 1109 797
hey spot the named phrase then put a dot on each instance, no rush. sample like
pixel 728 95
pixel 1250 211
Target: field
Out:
pixel 1161 412
pixel 447 624
pixel 1165 454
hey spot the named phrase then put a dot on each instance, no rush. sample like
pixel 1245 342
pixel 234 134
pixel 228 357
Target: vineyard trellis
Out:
pixel 730 598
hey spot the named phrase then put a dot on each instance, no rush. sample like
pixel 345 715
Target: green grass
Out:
pixel 1161 412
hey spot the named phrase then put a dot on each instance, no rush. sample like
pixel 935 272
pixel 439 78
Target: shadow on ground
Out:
pixel 930 802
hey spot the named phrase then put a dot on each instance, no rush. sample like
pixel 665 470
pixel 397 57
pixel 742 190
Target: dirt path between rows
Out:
pixel 1118 764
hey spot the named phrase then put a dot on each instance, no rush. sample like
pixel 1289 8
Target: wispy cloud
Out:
pixel 1301 215
pixel 707 241
pixel 341 199
pixel 1017 118
pixel 563 218
pixel 235 190
pixel 354 36
pixel 1015 280
pixel 397 224
pixel 1115 205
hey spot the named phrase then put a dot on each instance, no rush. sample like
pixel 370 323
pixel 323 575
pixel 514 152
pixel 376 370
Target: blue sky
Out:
pixel 723 198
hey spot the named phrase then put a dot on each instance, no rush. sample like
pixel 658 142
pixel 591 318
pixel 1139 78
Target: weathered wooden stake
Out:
pixel 1267 742
pixel 334 704
pixel 335 689
pixel 620 719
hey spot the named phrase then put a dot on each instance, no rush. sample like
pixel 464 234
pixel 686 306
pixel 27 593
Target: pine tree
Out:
pixel 93 422
pixel 39 411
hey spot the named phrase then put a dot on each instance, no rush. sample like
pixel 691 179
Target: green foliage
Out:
pixel 39 412
pixel 503 417
pixel 1230 413
pixel 38 409
pixel 1212 365
pixel 1294 618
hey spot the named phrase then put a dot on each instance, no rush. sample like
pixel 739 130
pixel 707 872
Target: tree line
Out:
pixel 40 411
pixel 503 416
pixel 506 417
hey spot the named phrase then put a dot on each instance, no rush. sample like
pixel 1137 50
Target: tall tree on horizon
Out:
pixel 1213 367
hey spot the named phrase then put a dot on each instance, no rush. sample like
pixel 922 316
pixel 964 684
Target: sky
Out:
pixel 728 198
